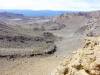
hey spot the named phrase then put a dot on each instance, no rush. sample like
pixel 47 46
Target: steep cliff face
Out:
pixel 85 61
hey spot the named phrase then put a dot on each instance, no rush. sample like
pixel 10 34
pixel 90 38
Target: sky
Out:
pixel 73 5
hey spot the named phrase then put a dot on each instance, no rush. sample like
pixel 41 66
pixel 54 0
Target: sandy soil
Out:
pixel 29 66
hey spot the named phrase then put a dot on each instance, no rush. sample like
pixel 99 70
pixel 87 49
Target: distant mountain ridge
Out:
pixel 35 12
pixel 10 15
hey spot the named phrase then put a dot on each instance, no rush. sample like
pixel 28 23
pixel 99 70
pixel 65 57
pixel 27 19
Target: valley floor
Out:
pixel 28 66
pixel 40 65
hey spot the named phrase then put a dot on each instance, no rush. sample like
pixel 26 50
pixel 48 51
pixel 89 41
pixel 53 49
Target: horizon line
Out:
pixel 55 10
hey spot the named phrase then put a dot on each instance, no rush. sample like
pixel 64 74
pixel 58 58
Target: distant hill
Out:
pixel 35 13
pixel 10 15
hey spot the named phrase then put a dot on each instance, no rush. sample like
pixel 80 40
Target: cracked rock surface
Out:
pixel 85 61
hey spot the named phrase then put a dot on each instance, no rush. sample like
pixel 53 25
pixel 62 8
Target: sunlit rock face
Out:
pixel 85 61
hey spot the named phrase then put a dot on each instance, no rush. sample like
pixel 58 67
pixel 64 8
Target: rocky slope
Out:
pixel 81 23
pixel 19 41
pixel 85 61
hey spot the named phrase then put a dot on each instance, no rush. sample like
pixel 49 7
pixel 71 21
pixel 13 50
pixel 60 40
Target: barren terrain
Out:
pixel 36 45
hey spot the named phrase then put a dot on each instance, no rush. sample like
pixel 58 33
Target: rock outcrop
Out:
pixel 85 61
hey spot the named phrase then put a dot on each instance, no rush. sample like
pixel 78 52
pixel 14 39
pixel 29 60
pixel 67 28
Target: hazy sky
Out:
pixel 83 5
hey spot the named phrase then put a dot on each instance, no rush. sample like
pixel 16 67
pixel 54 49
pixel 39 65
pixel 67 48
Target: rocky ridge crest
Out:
pixel 85 61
